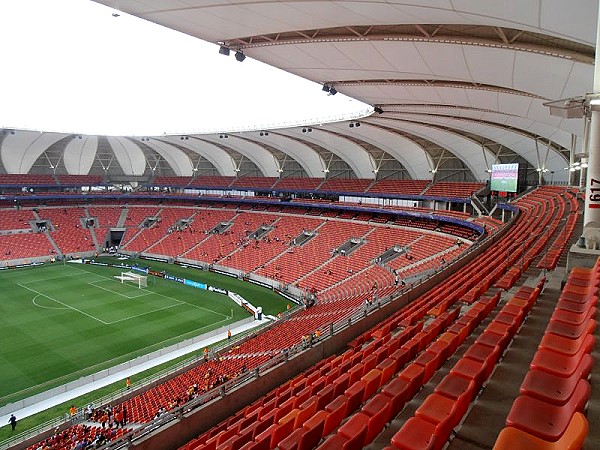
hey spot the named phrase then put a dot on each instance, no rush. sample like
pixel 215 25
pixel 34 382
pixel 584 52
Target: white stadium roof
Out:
pixel 459 85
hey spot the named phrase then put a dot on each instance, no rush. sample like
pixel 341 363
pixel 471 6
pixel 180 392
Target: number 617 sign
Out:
pixel 594 194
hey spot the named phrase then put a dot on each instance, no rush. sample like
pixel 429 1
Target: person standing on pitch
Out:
pixel 13 422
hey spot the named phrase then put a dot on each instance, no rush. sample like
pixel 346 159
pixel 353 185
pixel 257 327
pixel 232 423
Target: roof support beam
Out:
pixel 422 30
pixel 500 32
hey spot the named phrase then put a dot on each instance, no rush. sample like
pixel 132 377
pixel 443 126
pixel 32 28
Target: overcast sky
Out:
pixel 70 66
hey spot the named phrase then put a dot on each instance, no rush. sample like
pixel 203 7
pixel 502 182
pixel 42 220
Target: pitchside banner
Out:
pixel 505 177
pixel 194 284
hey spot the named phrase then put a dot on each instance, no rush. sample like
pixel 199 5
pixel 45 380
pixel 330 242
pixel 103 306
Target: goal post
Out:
pixel 140 280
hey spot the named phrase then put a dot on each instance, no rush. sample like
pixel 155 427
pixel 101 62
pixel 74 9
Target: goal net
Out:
pixel 140 280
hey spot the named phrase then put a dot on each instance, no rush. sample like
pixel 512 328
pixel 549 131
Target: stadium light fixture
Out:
pixel 332 91
pixel 568 108
pixel 224 50
pixel 239 56
pixel 378 110
pixel 326 88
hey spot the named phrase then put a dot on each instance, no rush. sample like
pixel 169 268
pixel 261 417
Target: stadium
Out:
pixel 421 274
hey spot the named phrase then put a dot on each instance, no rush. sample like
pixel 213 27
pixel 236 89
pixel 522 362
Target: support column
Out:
pixel 591 217
pixel 591 214
pixel 572 156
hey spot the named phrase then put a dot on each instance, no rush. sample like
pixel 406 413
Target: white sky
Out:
pixel 70 66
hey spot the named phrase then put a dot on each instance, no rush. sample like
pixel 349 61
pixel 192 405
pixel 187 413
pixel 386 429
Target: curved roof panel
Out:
pixel 20 149
pixel 79 154
pixel 455 74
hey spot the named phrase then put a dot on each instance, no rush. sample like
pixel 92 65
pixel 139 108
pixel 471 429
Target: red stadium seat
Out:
pixel 544 420
pixel 416 434
pixel 554 388
pixel 572 439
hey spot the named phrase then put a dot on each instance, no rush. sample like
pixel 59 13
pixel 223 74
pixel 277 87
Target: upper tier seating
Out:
pixel 456 190
pixel 27 180
pixel 80 180
pixel 172 181
pixel 210 181
pixel 298 184
pixel 399 187
pixel 345 185
pixel 254 182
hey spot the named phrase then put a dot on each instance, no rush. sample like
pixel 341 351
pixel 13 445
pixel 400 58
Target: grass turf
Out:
pixel 61 322
pixel 61 410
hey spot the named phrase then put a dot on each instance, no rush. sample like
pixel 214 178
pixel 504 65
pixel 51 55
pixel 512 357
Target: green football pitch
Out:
pixel 63 321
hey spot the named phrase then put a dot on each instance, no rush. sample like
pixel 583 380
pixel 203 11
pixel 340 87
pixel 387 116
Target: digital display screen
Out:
pixel 505 177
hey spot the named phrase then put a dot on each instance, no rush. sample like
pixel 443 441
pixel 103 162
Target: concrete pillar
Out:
pixel 591 218
pixel 591 215
pixel 572 156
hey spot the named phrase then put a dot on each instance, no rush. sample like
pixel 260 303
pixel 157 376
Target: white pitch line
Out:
pixel 49 279
pixel 46 307
pixel 143 314
pixel 165 296
pixel 195 306
pixel 64 304
pixel 143 294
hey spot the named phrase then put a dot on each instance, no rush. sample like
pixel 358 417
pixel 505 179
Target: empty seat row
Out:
pixel 548 412
pixel 444 409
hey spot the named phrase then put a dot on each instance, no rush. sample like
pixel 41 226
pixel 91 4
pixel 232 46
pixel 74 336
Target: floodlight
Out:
pixel 239 56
